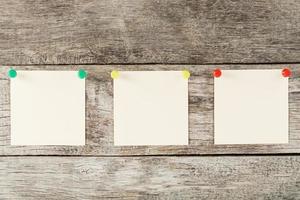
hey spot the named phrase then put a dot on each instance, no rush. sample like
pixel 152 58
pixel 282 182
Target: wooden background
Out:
pixel 102 35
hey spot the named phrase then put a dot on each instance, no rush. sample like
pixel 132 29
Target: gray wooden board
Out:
pixel 99 115
pixel 149 31
pixel 249 177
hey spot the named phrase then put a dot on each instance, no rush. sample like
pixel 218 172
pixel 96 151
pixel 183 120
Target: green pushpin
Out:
pixel 12 73
pixel 82 74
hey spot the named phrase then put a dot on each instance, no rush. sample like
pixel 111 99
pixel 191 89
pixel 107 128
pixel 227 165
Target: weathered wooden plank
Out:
pixel 99 115
pixel 149 31
pixel 254 177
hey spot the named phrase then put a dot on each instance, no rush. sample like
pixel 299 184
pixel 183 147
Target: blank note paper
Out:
pixel 251 107
pixel 150 108
pixel 47 108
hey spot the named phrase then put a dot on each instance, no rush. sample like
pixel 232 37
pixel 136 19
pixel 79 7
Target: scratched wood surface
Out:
pixel 233 178
pixel 61 35
pixel 149 31
pixel 99 115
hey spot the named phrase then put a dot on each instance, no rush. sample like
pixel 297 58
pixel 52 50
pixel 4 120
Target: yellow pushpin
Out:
pixel 114 74
pixel 186 74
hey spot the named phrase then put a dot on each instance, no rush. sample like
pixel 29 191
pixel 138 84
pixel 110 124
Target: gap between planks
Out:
pixel 111 64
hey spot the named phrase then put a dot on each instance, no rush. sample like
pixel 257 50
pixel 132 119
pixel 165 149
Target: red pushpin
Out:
pixel 217 73
pixel 286 72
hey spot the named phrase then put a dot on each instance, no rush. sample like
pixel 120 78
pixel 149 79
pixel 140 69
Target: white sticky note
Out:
pixel 47 108
pixel 251 107
pixel 150 108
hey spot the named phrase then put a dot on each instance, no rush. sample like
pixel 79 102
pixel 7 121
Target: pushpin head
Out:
pixel 286 72
pixel 12 73
pixel 82 74
pixel 217 73
pixel 186 74
pixel 114 74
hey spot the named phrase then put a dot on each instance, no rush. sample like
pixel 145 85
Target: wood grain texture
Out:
pixel 99 115
pixel 149 31
pixel 150 178
pixel 73 32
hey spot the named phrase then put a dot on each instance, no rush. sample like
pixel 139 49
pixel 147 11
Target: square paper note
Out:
pixel 251 107
pixel 151 108
pixel 47 108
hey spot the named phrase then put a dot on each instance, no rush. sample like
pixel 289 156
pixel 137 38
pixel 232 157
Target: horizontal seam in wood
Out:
pixel 50 64
pixel 158 155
